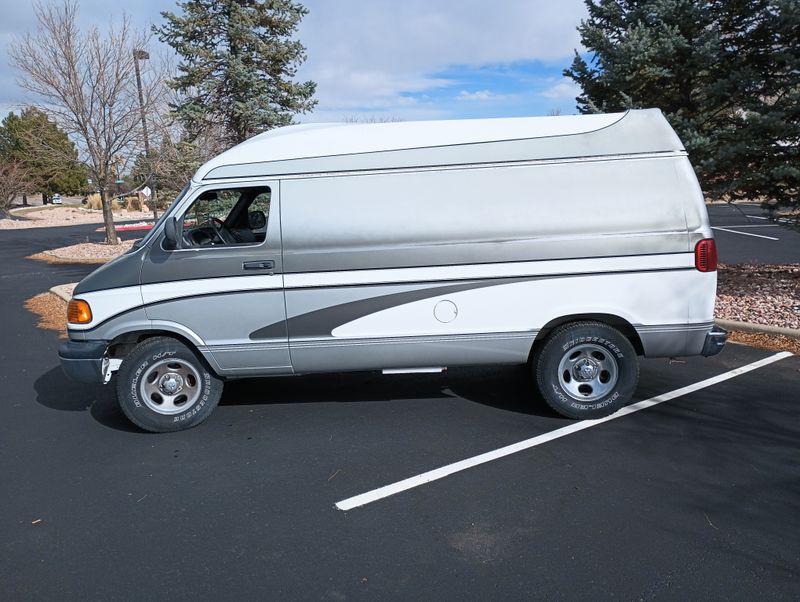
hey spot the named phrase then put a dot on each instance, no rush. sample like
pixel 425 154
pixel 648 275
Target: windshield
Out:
pixel 139 243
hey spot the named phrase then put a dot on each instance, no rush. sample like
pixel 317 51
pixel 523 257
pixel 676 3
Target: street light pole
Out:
pixel 137 56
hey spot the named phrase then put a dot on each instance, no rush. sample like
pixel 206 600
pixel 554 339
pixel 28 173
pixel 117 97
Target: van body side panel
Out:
pixel 482 320
pixel 528 305
pixel 491 215
pixel 318 311
pixel 510 248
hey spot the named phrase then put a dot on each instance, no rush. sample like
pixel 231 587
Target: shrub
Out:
pixel 93 202
pixel 133 202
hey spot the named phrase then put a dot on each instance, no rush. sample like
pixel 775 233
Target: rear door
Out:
pixel 224 286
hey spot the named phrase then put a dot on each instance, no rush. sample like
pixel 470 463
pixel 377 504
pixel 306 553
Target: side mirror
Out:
pixel 171 236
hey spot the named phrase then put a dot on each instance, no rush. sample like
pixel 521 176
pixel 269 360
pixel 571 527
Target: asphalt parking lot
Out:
pixel 694 496
pixel 745 235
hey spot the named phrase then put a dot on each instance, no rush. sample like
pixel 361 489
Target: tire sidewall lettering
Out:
pixel 603 342
pixel 134 385
pixel 200 404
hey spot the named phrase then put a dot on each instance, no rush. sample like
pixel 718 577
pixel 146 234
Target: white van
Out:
pixel 572 244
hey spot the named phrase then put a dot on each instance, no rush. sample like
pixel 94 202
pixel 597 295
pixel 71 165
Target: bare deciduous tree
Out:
pixel 85 81
pixel 178 159
pixel 14 180
pixel 174 158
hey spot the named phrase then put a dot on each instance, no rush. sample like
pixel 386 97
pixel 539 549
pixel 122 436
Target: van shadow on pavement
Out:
pixel 506 388
pixel 54 390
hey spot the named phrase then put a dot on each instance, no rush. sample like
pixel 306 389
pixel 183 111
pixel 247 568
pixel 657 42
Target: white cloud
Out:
pixel 382 56
pixel 414 113
pixel 425 35
pixel 372 54
pixel 564 89
pixel 479 95
pixel 370 88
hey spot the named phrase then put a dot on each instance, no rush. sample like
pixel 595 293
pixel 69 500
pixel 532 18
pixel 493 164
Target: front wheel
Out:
pixel 587 370
pixel 163 386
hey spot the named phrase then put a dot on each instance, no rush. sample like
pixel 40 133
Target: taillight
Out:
pixel 705 255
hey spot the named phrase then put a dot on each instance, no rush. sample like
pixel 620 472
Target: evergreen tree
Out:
pixel 238 59
pixel 48 156
pixel 726 73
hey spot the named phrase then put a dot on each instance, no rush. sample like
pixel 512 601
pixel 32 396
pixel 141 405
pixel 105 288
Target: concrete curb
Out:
pixel 758 328
pixel 64 291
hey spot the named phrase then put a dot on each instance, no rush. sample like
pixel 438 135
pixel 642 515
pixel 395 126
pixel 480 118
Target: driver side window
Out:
pixel 227 217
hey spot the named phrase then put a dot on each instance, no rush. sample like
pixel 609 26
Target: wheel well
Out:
pixel 123 344
pixel 620 324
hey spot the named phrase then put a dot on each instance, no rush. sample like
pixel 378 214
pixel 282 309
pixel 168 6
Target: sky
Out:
pixel 394 59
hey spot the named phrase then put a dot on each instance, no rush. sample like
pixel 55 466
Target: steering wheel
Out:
pixel 218 226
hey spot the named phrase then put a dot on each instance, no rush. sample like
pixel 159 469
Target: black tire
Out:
pixel 160 365
pixel 575 360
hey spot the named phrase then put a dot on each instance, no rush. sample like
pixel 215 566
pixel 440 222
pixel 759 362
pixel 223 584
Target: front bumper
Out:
pixel 83 360
pixel 715 341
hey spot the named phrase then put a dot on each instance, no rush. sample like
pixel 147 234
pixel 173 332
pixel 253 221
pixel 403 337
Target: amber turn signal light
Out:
pixel 79 312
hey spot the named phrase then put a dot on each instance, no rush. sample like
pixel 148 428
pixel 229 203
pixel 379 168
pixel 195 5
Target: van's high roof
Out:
pixel 343 147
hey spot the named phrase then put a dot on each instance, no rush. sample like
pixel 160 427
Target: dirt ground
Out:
pixel 766 341
pixel 87 252
pixel 47 217
pixel 759 294
pixel 51 310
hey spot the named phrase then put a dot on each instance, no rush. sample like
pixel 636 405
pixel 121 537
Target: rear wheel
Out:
pixel 163 386
pixel 586 370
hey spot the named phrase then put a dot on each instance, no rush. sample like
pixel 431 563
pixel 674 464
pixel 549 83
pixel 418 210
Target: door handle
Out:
pixel 258 265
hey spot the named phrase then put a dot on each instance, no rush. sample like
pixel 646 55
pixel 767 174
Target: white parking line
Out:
pixel 744 233
pixel 751 226
pixel 780 219
pixel 440 473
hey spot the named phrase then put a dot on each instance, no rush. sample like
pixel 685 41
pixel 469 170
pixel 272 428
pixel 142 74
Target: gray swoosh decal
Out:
pixel 322 321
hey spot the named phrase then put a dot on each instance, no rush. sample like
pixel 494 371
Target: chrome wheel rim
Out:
pixel 170 386
pixel 588 372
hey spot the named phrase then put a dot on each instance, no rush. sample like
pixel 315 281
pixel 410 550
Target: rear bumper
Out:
pixel 715 341
pixel 83 360
pixel 682 340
